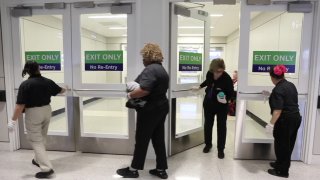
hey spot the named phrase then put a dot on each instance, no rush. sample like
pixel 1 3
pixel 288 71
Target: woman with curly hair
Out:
pixel 285 120
pixel 150 86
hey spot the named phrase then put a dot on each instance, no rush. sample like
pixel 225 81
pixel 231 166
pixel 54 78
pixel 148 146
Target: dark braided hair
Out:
pixel 31 68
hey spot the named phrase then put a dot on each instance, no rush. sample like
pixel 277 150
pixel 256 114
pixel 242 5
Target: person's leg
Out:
pixel 222 127
pixel 293 124
pixel 158 140
pixel 34 123
pixel 208 122
pixel 144 131
pixel 283 146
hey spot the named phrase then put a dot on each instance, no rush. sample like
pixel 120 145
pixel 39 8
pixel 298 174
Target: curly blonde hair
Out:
pixel 151 53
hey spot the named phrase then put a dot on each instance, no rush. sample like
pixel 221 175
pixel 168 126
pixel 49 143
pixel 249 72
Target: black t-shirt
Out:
pixel 155 80
pixel 37 91
pixel 284 97
pixel 213 87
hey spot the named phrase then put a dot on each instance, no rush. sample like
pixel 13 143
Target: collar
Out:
pixel 35 76
pixel 281 81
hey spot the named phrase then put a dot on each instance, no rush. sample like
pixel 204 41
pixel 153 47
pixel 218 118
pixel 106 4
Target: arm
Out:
pixel 138 93
pixel 63 90
pixel 275 116
pixel 204 83
pixel 18 111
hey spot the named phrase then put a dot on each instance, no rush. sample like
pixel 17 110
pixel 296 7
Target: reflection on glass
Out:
pixel 108 116
pixel 103 56
pixel 42 41
pixel 190 56
pixel 59 122
pixel 257 116
pixel 275 38
pixel 188 114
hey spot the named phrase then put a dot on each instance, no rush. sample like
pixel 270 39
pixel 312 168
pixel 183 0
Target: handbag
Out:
pixel 135 103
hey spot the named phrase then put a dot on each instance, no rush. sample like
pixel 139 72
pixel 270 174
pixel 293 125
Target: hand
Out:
pixel 266 93
pixel 221 97
pixel 129 96
pixel 195 88
pixel 12 125
pixel 131 86
pixel 269 128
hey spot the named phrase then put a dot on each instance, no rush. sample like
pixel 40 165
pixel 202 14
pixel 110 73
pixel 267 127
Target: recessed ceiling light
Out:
pixel 211 27
pixel 216 15
pixel 117 28
pixel 124 35
pixel 108 16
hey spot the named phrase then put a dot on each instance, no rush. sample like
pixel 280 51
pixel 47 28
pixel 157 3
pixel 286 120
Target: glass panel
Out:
pixel 257 116
pixel 275 38
pixel 190 56
pixel 103 59
pixel 106 116
pixel 188 113
pixel 58 123
pixel 42 41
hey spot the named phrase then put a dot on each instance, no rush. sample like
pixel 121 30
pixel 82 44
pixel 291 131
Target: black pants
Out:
pixel 210 110
pixel 285 133
pixel 150 125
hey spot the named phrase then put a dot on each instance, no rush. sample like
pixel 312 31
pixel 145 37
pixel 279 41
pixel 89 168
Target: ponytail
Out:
pixel 31 68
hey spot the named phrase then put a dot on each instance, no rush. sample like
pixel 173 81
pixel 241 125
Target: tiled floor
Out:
pixel 189 165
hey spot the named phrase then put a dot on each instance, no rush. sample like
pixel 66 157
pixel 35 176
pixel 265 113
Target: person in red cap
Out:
pixel 285 120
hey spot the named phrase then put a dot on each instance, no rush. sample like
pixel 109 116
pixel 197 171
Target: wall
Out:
pixel 4 137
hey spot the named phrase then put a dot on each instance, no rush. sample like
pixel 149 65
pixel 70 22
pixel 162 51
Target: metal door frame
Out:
pixel 193 137
pixel 54 141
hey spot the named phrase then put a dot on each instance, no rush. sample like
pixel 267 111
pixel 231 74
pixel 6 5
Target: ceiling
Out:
pixel 115 25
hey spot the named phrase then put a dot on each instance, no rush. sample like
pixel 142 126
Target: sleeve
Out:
pixel 54 88
pixel 147 80
pixel 277 100
pixel 204 83
pixel 229 88
pixel 22 95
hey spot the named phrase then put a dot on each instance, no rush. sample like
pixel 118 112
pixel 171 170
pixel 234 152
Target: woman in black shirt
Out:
pixel 285 118
pixel 34 97
pixel 219 90
pixel 150 86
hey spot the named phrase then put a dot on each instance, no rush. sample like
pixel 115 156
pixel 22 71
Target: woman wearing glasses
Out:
pixel 219 90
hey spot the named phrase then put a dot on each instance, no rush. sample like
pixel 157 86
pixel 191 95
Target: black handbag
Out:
pixel 135 103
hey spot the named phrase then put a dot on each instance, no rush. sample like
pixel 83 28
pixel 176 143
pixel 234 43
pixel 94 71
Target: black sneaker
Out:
pixel 207 148
pixel 43 175
pixel 161 174
pixel 35 163
pixel 127 173
pixel 278 173
pixel 220 154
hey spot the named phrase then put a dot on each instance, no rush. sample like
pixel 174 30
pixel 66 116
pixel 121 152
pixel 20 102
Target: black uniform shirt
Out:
pixel 213 87
pixel 37 91
pixel 155 80
pixel 284 97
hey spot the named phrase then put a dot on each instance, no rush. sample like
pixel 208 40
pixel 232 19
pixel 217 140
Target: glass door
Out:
pixel 101 69
pixel 187 69
pixel 269 35
pixel 42 34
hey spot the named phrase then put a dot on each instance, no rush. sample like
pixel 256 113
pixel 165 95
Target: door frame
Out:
pixel 194 137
